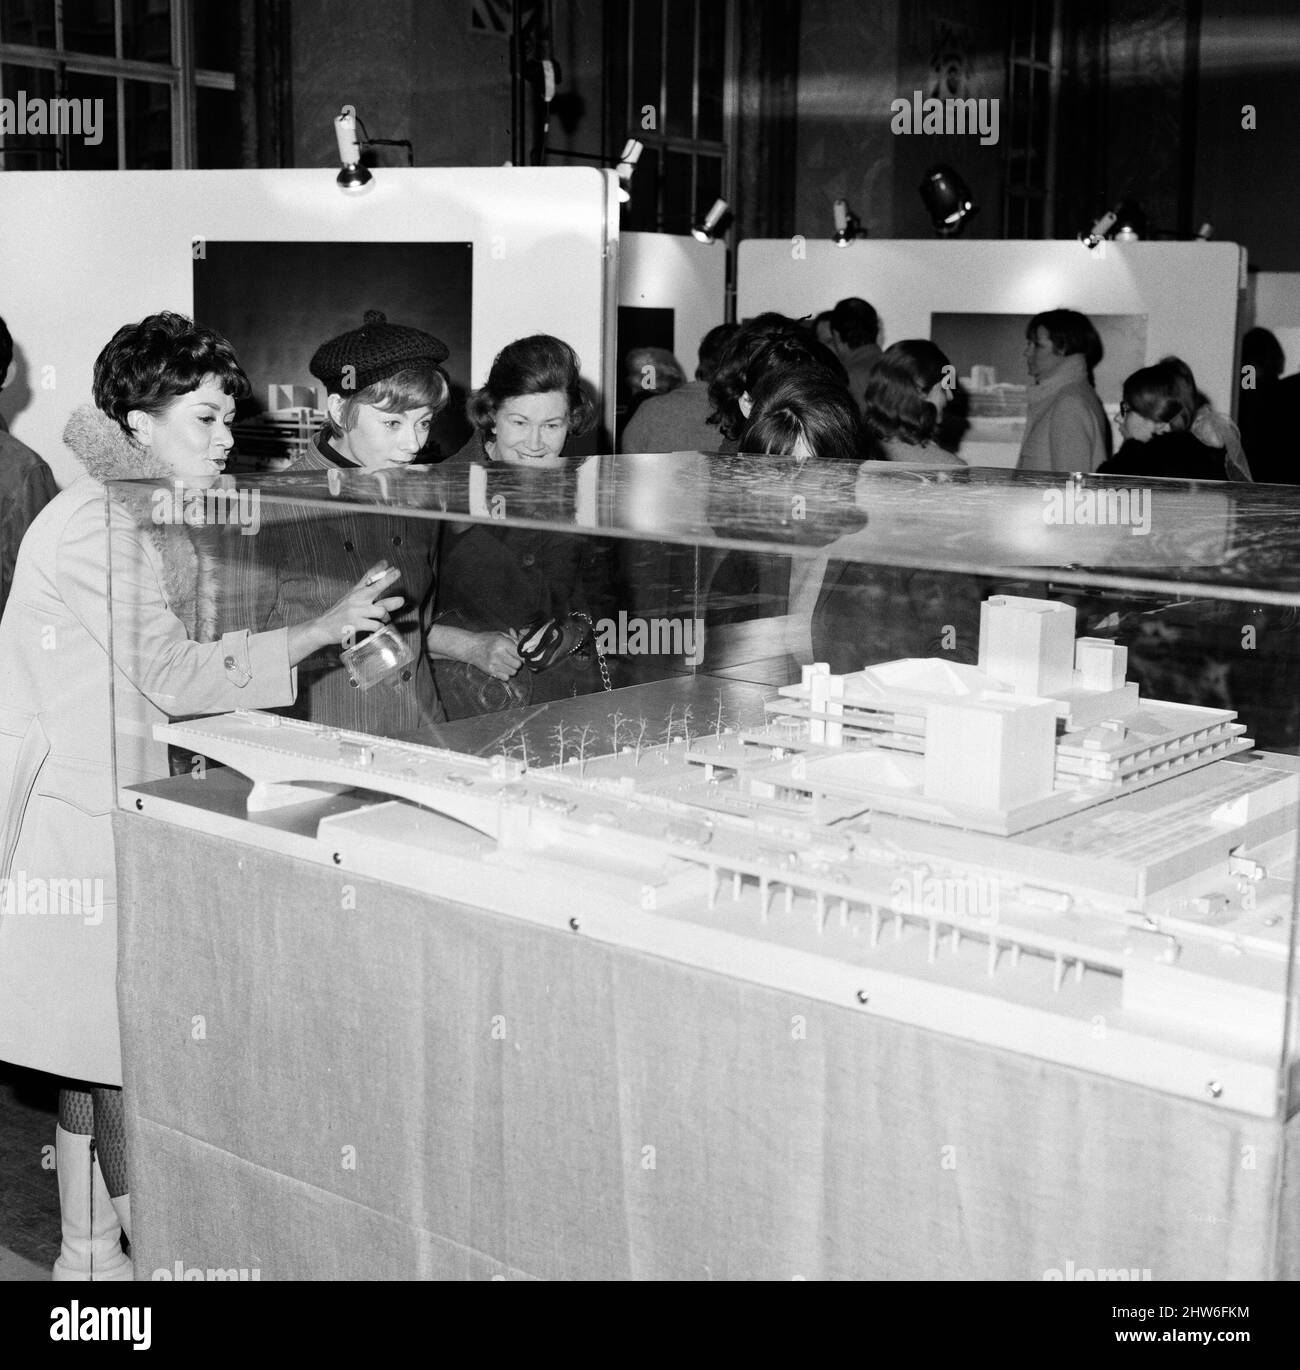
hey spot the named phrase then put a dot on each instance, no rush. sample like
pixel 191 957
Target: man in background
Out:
pixel 677 421
pixel 855 339
pixel 26 484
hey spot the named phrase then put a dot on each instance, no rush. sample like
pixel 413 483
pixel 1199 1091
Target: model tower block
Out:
pixel 1100 665
pixel 996 752
pixel 1027 644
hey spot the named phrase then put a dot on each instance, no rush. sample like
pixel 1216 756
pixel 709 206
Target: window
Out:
pixel 118 84
pixel 1034 77
pixel 672 64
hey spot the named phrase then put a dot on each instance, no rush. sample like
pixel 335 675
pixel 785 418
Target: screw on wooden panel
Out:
pixel 1214 1089
pixel 338 858
pixel 863 997
pixel 139 804
pixel 573 923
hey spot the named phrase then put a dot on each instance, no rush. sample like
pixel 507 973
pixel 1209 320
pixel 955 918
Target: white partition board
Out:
pixel 85 252
pixel 1277 308
pixel 1190 292
pixel 663 271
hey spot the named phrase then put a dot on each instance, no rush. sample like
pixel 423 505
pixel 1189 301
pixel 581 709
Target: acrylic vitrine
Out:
pixel 1009 756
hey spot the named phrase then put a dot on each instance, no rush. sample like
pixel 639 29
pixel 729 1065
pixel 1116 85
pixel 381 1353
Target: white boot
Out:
pixel 92 1236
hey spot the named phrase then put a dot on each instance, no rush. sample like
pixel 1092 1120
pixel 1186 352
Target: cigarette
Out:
pixel 376 576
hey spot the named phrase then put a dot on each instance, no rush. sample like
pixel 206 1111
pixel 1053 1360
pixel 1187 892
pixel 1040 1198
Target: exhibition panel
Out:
pixel 1004 756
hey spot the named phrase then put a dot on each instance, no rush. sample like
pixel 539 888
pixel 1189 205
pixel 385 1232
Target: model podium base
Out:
pixel 1023 853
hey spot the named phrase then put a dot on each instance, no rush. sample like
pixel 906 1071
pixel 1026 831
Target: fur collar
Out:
pixel 188 556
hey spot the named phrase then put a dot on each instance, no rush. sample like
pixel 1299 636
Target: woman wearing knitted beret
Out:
pixel 385 385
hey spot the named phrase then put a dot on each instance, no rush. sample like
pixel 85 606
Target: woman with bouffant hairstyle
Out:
pixel 805 414
pixel 493 581
pixel 769 344
pixel 907 392
pixel 165 391
pixel 529 370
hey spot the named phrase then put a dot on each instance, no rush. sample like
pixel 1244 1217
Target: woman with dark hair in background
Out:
pixel 1208 425
pixel 165 392
pixel 1156 418
pixel 769 343
pixel 805 414
pixel 1067 428
pixel 499 585
pixel 906 395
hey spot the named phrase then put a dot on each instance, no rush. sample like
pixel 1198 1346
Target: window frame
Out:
pixel 182 78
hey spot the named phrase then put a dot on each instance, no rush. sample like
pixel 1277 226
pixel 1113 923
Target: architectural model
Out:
pixel 1026 832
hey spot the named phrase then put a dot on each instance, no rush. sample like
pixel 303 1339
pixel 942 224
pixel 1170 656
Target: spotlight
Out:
pixel 847 224
pixel 632 150
pixel 1130 223
pixel 706 231
pixel 948 199
pixel 1099 230
pixel 354 178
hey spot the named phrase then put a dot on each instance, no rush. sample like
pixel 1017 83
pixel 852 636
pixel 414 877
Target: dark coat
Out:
pixel 303 560
pixel 27 485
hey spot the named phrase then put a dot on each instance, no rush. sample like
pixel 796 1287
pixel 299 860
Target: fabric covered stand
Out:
pixel 331 1077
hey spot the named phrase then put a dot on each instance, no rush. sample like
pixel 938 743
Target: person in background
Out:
pixel 855 340
pixel 820 328
pixel 907 392
pixel 165 391
pixel 1067 428
pixel 1208 425
pixel 647 372
pixel 770 342
pixel 27 484
pixel 806 415
pixel 385 385
pixel 495 582
pixel 1267 410
pixel 1156 419
pixel 678 421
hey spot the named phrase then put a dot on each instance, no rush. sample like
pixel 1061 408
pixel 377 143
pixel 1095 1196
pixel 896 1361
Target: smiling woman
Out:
pixel 165 392
pixel 494 582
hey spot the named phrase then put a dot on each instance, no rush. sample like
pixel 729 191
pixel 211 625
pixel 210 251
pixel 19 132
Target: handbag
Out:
pixel 545 642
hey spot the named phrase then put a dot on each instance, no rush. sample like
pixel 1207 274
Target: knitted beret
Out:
pixel 375 350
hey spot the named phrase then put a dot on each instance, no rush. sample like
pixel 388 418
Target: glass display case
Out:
pixel 1000 754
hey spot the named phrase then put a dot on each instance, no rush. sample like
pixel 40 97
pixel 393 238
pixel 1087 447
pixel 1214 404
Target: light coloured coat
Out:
pixel 58 914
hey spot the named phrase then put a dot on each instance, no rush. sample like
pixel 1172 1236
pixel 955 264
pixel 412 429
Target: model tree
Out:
pixel 619 722
pixel 640 737
pixel 585 739
pixel 559 738
pixel 516 739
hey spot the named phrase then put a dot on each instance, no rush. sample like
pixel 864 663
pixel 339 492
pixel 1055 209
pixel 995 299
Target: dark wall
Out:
pixel 1247 182
pixel 854 60
pixel 416 69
